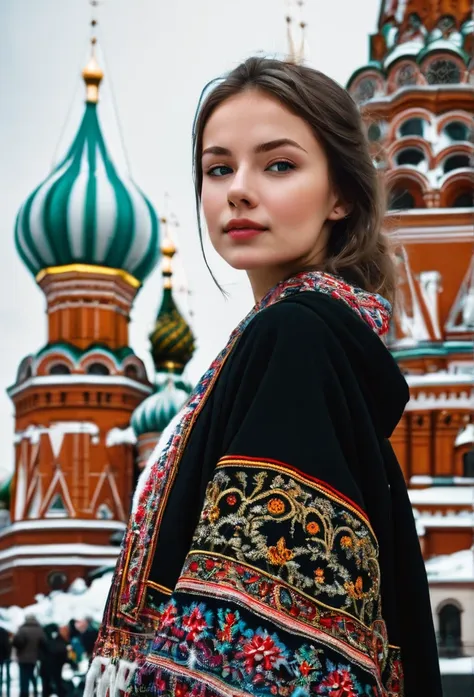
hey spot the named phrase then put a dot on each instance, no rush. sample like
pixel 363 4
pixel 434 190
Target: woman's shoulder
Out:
pixel 289 318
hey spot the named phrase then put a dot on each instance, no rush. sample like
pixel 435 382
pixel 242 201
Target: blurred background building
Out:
pixel 416 95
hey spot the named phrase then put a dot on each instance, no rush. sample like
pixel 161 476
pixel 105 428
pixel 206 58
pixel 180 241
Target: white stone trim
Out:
pixel 58 561
pixel 71 524
pixel 78 548
pixel 102 380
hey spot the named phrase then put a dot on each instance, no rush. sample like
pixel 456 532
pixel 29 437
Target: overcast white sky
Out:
pixel 158 55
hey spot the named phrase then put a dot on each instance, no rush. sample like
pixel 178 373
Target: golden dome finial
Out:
pixel 92 73
pixel 168 249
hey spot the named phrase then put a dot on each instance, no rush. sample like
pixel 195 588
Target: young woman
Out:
pixel 271 548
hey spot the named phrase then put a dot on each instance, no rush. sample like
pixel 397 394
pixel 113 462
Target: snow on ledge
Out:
pixel 442 495
pixel 120 436
pixel 465 436
pixel 440 377
pixel 425 519
pixel 451 567
pixel 457 666
pixel 426 480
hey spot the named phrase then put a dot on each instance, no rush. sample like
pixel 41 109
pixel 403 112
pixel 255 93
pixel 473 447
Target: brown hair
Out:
pixel 357 249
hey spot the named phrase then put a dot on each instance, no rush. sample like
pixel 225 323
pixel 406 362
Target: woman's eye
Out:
pixel 218 171
pixel 281 166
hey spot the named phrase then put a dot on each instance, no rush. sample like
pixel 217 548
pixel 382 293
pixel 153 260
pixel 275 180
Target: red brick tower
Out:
pixel 90 237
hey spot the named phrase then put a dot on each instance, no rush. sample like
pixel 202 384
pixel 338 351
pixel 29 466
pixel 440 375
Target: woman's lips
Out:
pixel 244 233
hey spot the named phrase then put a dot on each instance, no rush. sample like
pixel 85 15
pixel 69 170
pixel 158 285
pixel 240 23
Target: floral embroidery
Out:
pixel 319 576
pixel 224 650
pixel 279 554
pixel 338 683
pixel 312 528
pixel 286 524
pixel 276 506
pixel 277 599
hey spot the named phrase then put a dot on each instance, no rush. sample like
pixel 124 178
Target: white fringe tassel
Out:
pixel 108 682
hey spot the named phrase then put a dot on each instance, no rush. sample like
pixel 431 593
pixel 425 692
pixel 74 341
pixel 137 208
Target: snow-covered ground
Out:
pixel 78 603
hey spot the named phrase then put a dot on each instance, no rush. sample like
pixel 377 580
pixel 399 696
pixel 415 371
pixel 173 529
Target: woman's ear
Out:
pixel 340 210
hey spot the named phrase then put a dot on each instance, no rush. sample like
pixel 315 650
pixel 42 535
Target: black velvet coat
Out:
pixel 285 557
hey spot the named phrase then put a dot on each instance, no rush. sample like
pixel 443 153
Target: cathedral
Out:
pixel 416 97
pixel 86 413
pixel 87 416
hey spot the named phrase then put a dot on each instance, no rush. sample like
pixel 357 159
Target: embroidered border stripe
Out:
pixel 283 621
pixel 203 678
pixel 326 489
pixel 281 582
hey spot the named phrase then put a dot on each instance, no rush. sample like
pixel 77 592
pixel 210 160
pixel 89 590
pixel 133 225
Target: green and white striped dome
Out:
pixel 156 411
pixel 85 212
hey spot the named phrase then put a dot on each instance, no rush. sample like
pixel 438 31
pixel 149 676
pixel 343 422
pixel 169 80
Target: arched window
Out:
pixel 455 162
pixel 457 130
pixel 450 643
pixel 410 156
pixel 407 75
pixel 374 132
pixel 104 512
pixel 412 127
pixel 59 369
pixel 443 72
pixel 401 199
pixel 365 90
pixel 465 200
pixel 131 371
pixel 98 369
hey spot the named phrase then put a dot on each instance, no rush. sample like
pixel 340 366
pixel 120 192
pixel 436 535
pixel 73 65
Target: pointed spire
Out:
pixel 295 37
pixel 172 341
pixel 168 251
pixel 92 73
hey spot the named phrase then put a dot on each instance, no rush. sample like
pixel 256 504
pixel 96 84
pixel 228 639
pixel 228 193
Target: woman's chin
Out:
pixel 248 259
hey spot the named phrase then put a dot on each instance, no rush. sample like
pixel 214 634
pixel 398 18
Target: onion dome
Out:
pixel 85 211
pixel 5 492
pixel 156 411
pixel 172 341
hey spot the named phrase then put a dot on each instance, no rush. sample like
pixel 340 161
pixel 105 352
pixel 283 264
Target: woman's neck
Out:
pixel 263 280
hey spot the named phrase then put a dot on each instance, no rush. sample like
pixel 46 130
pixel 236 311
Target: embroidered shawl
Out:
pixel 271 548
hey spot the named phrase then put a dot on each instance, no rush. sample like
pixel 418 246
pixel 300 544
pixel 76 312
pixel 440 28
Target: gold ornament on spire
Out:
pixel 92 73
pixel 168 249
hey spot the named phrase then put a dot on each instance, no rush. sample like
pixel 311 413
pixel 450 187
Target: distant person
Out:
pixel 5 655
pixel 29 642
pixel 88 636
pixel 53 656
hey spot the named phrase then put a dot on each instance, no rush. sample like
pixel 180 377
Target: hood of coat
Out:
pixel 385 389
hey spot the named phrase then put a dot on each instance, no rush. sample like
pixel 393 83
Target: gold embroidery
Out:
pixel 276 506
pixel 319 576
pixel 311 539
pixel 279 555
pixel 313 528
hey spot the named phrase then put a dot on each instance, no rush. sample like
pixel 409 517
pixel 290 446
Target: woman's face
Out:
pixel 266 194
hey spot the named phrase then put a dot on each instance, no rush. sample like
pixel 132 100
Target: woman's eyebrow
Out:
pixel 263 147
